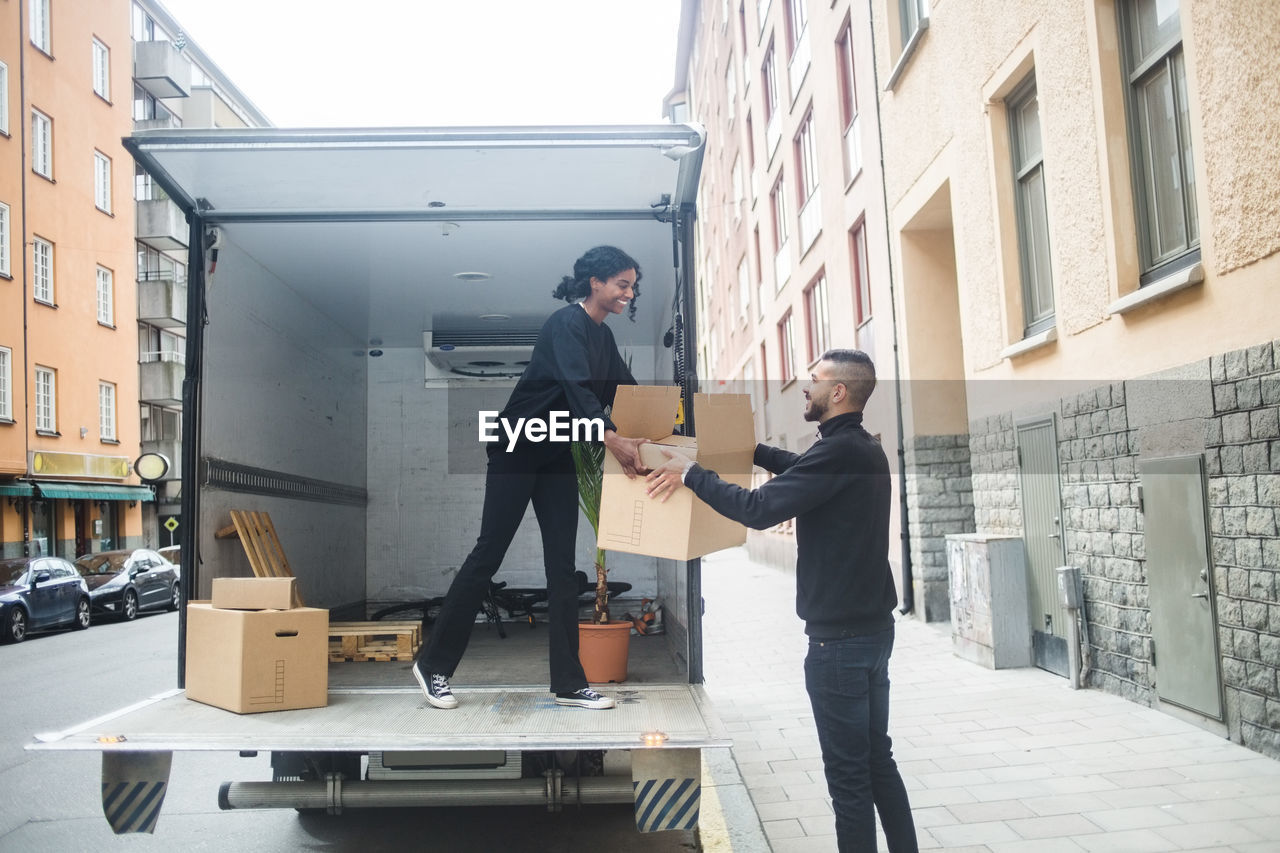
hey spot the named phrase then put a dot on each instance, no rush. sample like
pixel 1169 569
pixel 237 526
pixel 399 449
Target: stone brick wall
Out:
pixel 1103 531
pixel 1242 457
pixel 939 501
pixel 997 497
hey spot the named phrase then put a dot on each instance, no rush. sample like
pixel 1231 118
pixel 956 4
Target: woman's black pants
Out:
pixel 544 475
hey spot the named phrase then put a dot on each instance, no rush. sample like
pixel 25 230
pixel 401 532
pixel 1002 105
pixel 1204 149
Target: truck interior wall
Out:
pixel 283 391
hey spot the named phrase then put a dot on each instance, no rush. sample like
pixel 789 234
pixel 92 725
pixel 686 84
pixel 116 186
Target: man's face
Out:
pixel 818 392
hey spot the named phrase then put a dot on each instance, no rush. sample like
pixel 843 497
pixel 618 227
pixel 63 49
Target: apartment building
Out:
pixel 791 231
pixel 83 296
pixel 176 85
pixel 1084 216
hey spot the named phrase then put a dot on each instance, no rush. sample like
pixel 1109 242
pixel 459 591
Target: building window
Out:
pixel 46 400
pixel 778 209
pixel 107 411
pixel 786 349
pixel 143 25
pixel 769 77
pixel 737 188
pixel 756 256
pixel 817 318
pixel 106 298
pixel 4 239
pixel 797 20
pixel 764 369
pixel 40 29
pixel 101 70
pixel 762 13
pixel 4 98
pixel 1023 108
pixel 1160 135
pixel 6 384
pixel 806 161
pixel 861 275
pixel 744 291
pixel 910 14
pixel 848 104
pixel 42 270
pixel 156 266
pixel 102 181
pixel 731 89
pixel 41 144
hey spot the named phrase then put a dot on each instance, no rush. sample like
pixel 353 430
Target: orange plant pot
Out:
pixel 603 650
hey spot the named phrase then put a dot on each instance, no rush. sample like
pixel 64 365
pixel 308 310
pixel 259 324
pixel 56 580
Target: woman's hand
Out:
pixel 627 452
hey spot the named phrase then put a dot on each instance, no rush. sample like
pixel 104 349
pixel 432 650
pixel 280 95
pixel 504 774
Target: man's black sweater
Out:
pixel 839 492
pixel 575 367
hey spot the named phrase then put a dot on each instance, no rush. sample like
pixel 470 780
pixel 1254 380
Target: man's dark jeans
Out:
pixel 848 684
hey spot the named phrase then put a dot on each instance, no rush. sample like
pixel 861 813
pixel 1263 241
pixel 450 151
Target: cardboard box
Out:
pixel 250 661
pixel 683 527
pixel 256 593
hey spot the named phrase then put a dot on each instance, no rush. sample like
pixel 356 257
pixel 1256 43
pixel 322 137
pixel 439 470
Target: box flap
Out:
pixel 652 455
pixel 723 423
pixel 645 411
pixel 256 593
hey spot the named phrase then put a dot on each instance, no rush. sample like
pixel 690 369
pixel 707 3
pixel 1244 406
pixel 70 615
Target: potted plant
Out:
pixel 602 645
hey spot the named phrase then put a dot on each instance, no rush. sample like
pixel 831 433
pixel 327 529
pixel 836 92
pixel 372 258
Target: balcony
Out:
pixel 798 68
pixel 168 122
pixel 160 378
pixel 161 69
pixel 172 450
pixel 162 302
pixel 810 220
pixel 160 223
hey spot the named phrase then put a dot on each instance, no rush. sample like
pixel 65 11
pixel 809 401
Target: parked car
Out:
pixel 38 593
pixel 172 553
pixel 122 583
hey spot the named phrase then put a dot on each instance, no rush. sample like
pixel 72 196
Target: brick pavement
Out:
pixel 1001 761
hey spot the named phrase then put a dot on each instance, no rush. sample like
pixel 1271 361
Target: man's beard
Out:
pixel 815 410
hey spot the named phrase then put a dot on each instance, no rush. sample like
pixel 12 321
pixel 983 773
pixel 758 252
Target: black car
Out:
pixel 122 583
pixel 37 593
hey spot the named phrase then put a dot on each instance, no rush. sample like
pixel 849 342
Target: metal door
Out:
pixel 1184 628
pixel 1042 533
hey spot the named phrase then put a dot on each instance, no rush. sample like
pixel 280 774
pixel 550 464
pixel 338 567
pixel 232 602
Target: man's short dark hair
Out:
pixel 855 370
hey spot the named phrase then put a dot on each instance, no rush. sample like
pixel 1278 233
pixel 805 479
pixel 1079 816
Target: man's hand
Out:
pixel 627 452
pixel 668 478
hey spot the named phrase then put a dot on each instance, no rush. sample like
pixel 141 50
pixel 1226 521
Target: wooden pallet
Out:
pixel 378 641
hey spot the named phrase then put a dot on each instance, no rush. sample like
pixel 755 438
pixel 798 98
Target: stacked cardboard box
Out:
pixel 253 649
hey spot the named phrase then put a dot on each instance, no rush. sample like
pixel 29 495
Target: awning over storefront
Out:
pixel 95 491
pixel 21 490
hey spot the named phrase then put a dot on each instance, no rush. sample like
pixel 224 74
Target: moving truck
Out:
pixel 355 298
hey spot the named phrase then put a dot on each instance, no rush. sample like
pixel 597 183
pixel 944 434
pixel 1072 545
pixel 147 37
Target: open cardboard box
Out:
pixel 683 527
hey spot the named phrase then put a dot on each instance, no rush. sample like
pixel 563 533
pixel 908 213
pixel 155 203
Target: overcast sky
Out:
pixel 334 63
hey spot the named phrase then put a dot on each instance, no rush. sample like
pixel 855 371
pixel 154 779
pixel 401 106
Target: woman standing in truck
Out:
pixel 576 367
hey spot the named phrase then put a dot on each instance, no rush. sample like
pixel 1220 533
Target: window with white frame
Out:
pixel 101 70
pixel 40 28
pixel 4 239
pixel 1023 109
pixel 762 13
pixel 910 14
pixel 786 348
pixel 107 411
pixel 102 181
pixel 737 188
pixel 46 399
pixel 861 276
pixel 744 291
pixel 731 89
pixel 797 20
pixel 817 318
pixel 778 207
pixel 41 144
pixel 806 161
pixel 42 270
pixel 6 384
pixel 106 297
pixel 1160 135
pixel 769 77
pixel 848 103
pixel 4 98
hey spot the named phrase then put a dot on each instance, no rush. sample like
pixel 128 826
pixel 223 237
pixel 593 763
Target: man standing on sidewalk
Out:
pixel 839 492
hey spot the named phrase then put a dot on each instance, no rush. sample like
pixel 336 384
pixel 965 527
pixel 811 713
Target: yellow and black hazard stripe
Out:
pixel 133 806
pixel 663 804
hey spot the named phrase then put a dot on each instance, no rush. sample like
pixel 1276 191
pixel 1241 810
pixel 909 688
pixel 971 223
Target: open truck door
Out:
pixel 324 268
